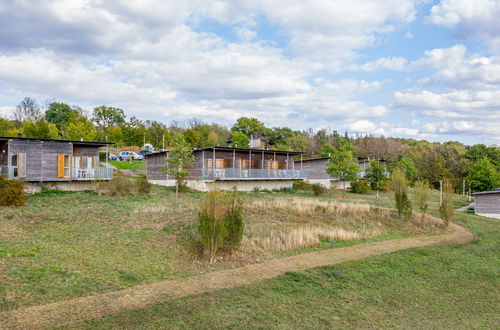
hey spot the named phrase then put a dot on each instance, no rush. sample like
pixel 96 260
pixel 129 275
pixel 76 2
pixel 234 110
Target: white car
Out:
pixel 124 155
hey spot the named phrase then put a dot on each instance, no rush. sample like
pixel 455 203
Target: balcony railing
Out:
pixel 250 174
pixel 97 173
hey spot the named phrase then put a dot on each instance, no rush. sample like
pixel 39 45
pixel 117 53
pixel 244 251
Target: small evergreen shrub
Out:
pixel 233 220
pixel 318 189
pixel 360 187
pixel 11 192
pixel 446 209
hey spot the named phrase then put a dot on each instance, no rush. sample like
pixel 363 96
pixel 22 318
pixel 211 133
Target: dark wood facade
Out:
pixel 39 160
pixel 316 167
pixel 208 160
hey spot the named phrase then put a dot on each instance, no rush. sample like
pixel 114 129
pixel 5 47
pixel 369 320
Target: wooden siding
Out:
pixel 154 161
pixel 316 168
pixel 487 203
pixel 3 153
pixel 41 157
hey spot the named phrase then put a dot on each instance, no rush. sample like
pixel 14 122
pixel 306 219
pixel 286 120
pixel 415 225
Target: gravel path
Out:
pixel 84 308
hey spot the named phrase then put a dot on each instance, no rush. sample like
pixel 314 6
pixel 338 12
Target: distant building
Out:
pixel 487 203
pixel 225 168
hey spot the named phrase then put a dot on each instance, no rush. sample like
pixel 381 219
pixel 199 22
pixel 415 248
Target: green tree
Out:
pixel 178 162
pixel 213 139
pixel 233 219
pixel 211 225
pixel 483 176
pixel 408 167
pixel 240 140
pixel 342 164
pixel 249 127
pixel 375 174
pixel 7 128
pixel 193 137
pixel 59 114
pixel 399 185
pixel 296 142
pixel 107 117
pixel 421 196
pixel 80 129
pixel 40 129
pixel 134 132
pixel 157 134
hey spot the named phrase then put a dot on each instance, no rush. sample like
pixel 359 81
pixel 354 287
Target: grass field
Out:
pixel 63 245
pixel 135 165
pixel 452 287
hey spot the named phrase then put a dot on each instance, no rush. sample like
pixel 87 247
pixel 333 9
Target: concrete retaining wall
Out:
pixel 328 183
pixel 36 187
pixel 247 185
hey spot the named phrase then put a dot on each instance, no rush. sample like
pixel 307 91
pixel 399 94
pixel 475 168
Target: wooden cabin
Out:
pixel 487 203
pixel 51 161
pixel 316 169
pixel 225 167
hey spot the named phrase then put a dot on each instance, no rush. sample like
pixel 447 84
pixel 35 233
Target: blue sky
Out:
pixel 405 68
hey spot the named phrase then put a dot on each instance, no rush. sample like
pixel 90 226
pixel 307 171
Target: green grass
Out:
pixel 136 165
pixel 454 286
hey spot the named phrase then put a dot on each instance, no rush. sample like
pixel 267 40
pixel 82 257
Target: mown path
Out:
pixel 84 308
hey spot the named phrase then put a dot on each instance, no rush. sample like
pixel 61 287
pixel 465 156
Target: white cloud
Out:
pixel 473 20
pixel 383 63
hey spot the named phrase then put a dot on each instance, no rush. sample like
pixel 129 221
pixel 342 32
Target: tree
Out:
pixel 27 109
pixel 7 128
pixel 399 185
pixel 296 142
pixel 249 127
pixel 80 129
pixel 408 167
pixel 483 176
pixel 59 114
pixel 157 134
pixel 107 117
pixel 240 140
pixel 134 132
pixel 178 162
pixel 342 164
pixel 40 129
pixel 446 209
pixel 421 196
pixel 211 222
pixel 375 174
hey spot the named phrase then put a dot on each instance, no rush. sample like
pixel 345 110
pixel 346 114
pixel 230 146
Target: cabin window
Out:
pixel 14 163
pixel 63 166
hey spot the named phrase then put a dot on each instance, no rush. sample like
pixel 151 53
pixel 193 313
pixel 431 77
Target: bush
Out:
pixel 143 186
pixel 11 192
pixel 211 223
pixel 233 220
pixel 446 208
pixel 421 196
pixel 318 189
pixel 301 185
pixel 286 190
pixel 399 186
pixel 360 187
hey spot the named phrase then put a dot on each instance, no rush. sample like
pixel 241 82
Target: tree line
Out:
pixel 420 160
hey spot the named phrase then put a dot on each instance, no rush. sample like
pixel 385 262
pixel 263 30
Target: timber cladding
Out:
pixel 487 203
pixel 316 168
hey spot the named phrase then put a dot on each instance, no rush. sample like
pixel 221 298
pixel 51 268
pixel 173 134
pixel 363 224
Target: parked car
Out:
pixel 113 157
pixel 145 152
pixel 124 155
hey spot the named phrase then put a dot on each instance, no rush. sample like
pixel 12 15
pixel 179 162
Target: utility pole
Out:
pixel 107 156
pixel 470 193
pixel 163 142
pixel 440 192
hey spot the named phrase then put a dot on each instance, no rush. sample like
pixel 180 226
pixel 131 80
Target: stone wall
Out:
pixel 36 187
pixel 243 185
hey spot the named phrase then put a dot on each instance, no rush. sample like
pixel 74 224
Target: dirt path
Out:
pixel 79 309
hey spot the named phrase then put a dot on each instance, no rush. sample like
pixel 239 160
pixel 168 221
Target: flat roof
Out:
pixel 325 158
pixel 239 149
pixel 94 143
pixel 496 191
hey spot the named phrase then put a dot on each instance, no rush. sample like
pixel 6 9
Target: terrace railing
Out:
pixel 249 174
pixel 97 173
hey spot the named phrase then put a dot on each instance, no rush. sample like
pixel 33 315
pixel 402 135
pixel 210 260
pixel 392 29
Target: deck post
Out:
pixel 287 160
pixel 213 163
pixel 301 162
pixel 249 161
pixel 202 163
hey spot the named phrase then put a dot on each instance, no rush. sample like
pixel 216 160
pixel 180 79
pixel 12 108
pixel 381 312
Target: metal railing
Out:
pixel 97 173
pixel 236 173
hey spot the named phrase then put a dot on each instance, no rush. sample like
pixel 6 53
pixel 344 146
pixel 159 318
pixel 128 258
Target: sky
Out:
pixel 400 68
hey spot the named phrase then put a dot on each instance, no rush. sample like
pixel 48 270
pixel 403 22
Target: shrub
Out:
pixel 211 223
pixel 421 196
pixel 233 220
pixel 301 185
pixel 287 190
pixel 446 208
pixel 318 189
pixel 360 187
pixel 118 186
pixel 143 186
pixel 399 186
pixel 11 192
